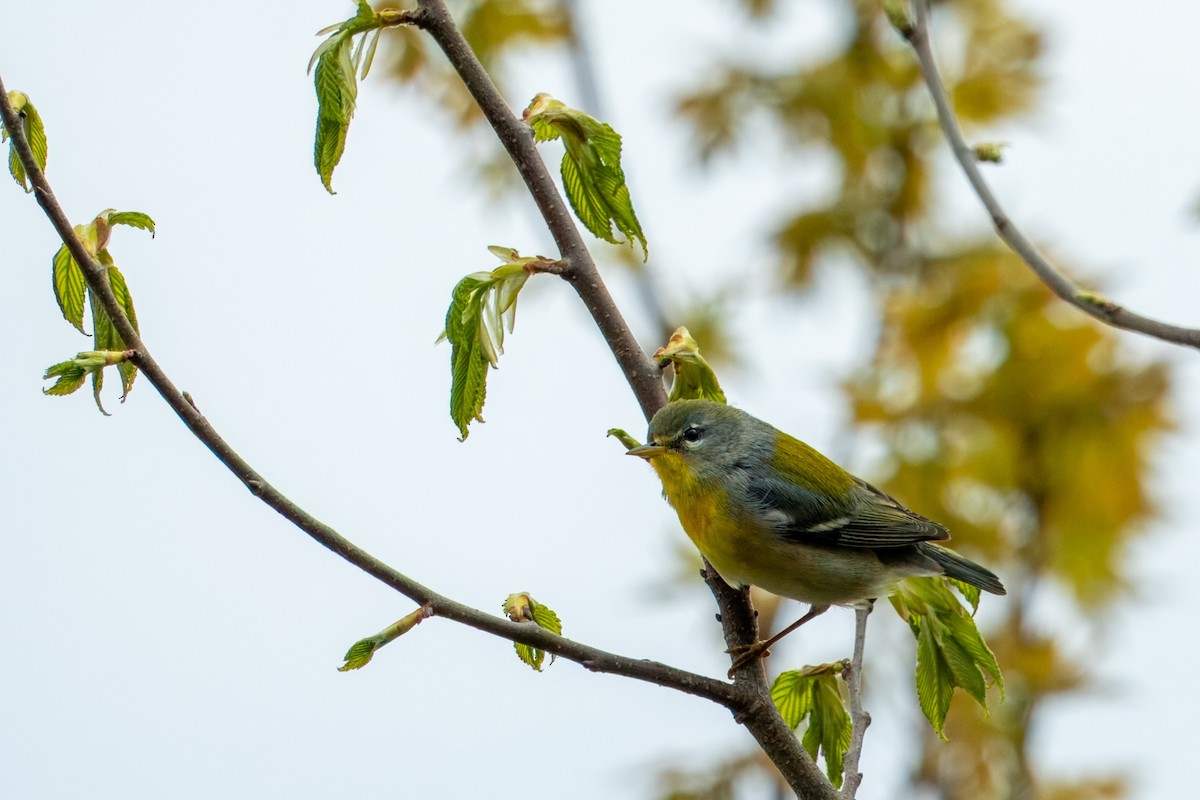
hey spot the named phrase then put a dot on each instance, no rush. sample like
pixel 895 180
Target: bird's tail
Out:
pixel 961 569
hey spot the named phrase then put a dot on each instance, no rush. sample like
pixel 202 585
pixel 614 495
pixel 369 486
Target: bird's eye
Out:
pixel 692 434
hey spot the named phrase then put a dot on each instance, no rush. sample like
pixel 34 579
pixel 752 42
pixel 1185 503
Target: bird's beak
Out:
pixel 647 451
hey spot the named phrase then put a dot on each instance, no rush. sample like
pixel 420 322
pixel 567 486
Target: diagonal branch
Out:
pixel 728 695
pixel 1091 303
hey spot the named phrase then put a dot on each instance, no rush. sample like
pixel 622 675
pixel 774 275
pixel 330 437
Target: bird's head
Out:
pixel 705 438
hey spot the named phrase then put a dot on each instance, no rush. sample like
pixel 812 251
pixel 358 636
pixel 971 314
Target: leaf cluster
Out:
pixel 813 693
pixel 72 293
pixel 482 306
pixel 520 607
pixel 591 168
pixel 339 66
pixel 35 135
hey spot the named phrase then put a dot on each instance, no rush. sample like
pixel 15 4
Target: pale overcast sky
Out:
pixel 169 636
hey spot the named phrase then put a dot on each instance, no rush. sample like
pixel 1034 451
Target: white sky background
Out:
pixel 166 635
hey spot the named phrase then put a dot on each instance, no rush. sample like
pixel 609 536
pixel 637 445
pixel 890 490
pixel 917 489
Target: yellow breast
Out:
pixel 746 551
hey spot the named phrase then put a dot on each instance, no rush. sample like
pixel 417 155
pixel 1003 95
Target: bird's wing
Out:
pixel 865 518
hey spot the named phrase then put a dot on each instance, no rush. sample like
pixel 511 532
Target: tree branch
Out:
pixel 737 615
pixel 859 718
pixel 644 377
pixel 1091 303
pixel 728 695
pixel 748 697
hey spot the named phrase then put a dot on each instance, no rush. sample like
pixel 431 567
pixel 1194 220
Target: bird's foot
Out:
pixel 746 654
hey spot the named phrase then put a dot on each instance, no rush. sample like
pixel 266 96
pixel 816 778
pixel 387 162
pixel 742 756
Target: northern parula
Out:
pixel 767 510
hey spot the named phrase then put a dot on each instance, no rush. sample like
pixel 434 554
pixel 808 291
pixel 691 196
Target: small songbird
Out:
pixel 767 510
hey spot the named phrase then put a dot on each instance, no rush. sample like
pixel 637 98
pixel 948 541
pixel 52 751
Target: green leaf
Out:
pixel 70 377
pixel 121 290
pixel 482 306
pixel 468 358
pixel 337 91
pixel 70 288
pixel 792 695
pixel 337 86
pixel 520 607
pixel 362 651
pixel 951 653
pixel 829 727
pixel 694 377
pixel 813 692
pixel 935 684
pixel 134 219
pixel 72 373
pixel 35 136
pixel 591 168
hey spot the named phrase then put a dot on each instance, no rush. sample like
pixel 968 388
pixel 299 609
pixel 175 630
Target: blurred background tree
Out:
pixel 1023 426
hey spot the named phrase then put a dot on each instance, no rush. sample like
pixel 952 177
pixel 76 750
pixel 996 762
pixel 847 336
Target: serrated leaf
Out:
pixel 482 306
pixel 520 607
pixel 935 686
pixel 359 654
pixel 362 651
pixel 589 206
pixel 813 693
pixel 468 361
pixel 970 593
pixel 72 373
pixel 134 219
pixel 530 655
pixel 35 136
pixel 546 619
pixel 951 653
pixel 591 168
pixel 70 377
pixel 791 694
pixel 70 288
pixel 121 291
pixel 337 91
pixel 829 727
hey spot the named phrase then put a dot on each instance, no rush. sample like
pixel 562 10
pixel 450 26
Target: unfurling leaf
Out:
pixel 362 651
pixel 990 152
pixel 694 378
pixel 520 607
pixel 35 136
pixel 950 651
pixel 591 168
pixel 71 291
pixel 624 438
pixel 134 219
pixel 336 82
pixel 72 373
pixel 813 692
pixel 482 306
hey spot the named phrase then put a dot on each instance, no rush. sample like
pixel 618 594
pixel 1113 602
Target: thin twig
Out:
pixel 859 718
pixel 1091 303
pixel 728 695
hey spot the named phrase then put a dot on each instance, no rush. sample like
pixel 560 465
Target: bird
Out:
pixel 767 510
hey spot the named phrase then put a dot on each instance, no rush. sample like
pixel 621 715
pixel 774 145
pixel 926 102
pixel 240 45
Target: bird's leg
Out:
pixel 749 652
